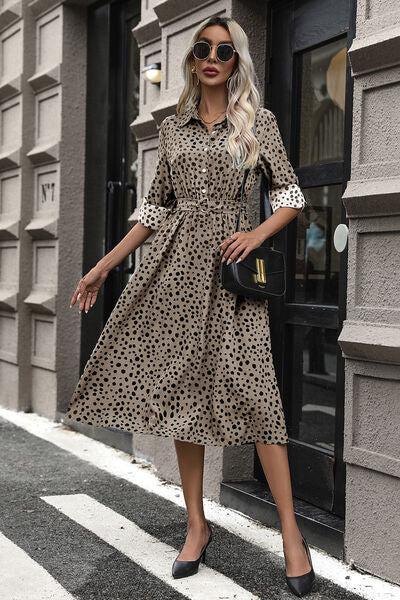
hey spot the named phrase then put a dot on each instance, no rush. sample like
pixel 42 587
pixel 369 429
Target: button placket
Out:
pixel 204 169
pixel 211 136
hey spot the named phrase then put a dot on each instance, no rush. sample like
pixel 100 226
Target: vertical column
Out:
pixel 149 97
pixel 370 338
pixel 42 164
pixel 11 67
pixel 57 190
pixel 43 227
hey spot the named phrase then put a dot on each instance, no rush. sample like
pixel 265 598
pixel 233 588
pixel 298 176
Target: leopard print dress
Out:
pixel 179 355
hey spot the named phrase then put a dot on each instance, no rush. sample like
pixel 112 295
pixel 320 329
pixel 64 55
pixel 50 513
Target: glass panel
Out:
pixel 314 358
pixel 323 86
pixel 131 105
pixel 317 261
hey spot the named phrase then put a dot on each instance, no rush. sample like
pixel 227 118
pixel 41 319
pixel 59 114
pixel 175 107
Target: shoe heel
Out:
pixel 308 552
pixel 185 568
pixel 302 584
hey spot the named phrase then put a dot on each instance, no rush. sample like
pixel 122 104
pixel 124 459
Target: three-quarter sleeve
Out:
pixel 273 161
pixel 154 205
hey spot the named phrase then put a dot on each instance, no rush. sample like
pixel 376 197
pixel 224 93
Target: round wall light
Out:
pixel 152 72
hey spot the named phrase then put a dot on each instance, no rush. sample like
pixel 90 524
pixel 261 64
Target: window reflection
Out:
pixel 317 261
pixel 131 146
pixel 312 418
pixel 322 103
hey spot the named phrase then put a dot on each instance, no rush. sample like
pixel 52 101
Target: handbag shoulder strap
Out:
pixel 267 203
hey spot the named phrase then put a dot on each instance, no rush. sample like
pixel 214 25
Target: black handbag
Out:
pixel 262 273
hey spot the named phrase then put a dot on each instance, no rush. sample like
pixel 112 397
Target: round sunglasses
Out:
pixel 202 50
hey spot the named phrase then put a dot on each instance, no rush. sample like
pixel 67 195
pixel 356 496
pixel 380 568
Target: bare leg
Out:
pixel 191 468
pixel 275 464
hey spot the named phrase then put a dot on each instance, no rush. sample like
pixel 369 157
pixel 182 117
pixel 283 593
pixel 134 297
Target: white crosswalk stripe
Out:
pixel 22 578
pixel 144 549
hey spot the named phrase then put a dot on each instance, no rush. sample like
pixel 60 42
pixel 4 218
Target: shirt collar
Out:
pixel 192 113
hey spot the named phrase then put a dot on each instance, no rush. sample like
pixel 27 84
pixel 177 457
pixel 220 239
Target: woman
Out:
pixel 181 356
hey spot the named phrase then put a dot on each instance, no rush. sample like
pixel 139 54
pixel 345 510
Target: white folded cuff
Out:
pixel 152 215
pixel 289 196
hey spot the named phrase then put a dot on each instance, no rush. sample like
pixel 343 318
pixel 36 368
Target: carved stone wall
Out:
pixel 42 139
pixel 370 338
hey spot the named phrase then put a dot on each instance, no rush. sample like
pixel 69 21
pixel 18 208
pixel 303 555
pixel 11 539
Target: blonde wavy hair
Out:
pixel 243 95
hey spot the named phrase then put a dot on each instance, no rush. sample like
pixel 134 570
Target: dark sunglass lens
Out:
pixel 225 52
pixel 201 50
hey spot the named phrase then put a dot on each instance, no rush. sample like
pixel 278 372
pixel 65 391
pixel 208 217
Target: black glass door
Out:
pixel 122 146
pixel 111 149
pixel 310 93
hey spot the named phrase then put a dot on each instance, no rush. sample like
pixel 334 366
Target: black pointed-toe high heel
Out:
pixel 302 584
pixel 185 568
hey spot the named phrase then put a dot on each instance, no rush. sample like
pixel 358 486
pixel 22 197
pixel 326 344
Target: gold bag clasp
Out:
pixel 261 276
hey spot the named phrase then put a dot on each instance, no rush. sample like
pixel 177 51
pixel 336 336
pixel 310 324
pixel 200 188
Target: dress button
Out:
pixel 204 191
pixel 205 147
pixel 204 170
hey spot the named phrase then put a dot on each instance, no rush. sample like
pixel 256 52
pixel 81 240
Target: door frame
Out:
pixel 285 241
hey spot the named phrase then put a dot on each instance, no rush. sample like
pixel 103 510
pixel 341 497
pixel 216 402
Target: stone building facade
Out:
pixel 50 234
pixel 370 338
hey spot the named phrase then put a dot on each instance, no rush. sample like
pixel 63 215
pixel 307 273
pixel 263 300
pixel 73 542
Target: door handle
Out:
pixel 340 237
pixel 112 185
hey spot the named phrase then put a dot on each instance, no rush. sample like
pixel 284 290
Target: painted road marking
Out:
pixel 22 578
pixel 145 550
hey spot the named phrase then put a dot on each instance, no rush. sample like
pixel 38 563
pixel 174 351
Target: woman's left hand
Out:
pixel 240 244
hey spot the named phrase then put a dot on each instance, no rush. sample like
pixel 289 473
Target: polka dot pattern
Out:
pixel 150 215
pixel 273 161
pixel 180 356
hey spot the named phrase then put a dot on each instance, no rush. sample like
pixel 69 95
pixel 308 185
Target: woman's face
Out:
pixel 214 35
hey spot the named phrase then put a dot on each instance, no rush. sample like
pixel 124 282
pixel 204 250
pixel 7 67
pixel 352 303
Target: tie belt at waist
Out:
pixel 188 203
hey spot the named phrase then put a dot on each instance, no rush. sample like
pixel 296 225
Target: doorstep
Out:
pixel 321 528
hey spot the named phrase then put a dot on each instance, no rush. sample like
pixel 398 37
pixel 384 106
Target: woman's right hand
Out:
pixel 88 288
